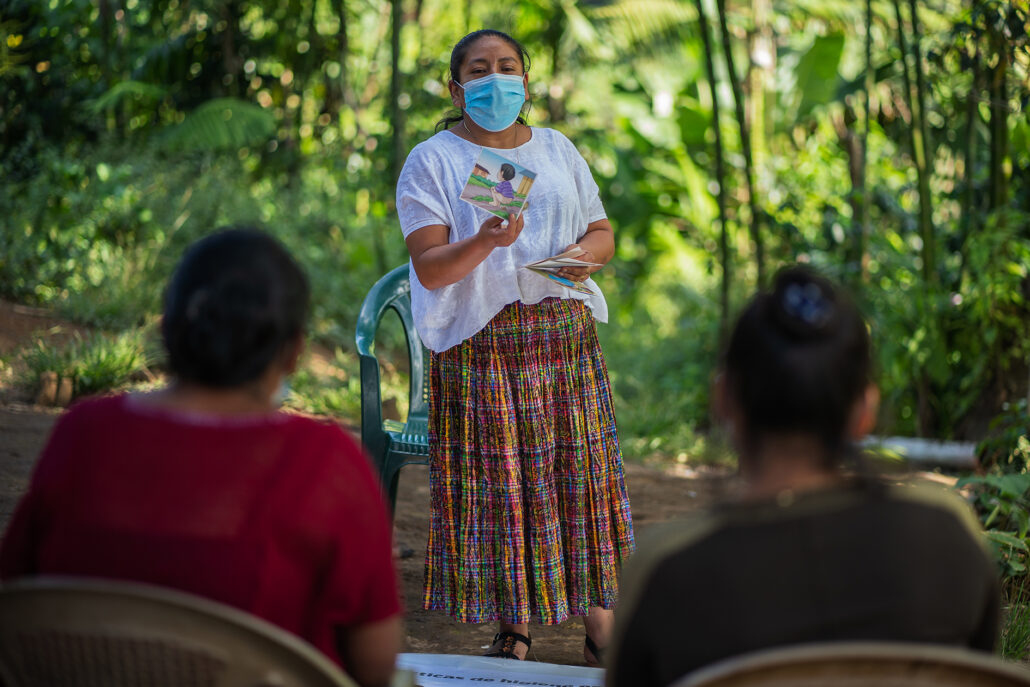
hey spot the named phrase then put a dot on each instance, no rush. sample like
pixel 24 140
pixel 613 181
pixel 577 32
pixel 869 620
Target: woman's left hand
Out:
pixel 578 274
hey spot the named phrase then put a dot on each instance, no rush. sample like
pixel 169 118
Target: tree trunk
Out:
pixel 396 85
pixel 916 143
pixel 760 70
pixel 556 97
pixel 969 150
pixel 926 229
pixel 999 121
pixel 396 116
pixel 230 61
pixel 926 415
pixel 720 179
pixel 106 28
pixel 852 144
pixel 119 67
pixel 745 142
pixel 341 85
pixel 862 221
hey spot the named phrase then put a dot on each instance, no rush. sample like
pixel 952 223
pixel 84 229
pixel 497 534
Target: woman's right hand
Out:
pixel 438 262
pixel 500 232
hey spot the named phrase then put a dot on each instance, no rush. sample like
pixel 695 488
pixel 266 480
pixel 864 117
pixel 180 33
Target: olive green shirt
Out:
pixel 864 561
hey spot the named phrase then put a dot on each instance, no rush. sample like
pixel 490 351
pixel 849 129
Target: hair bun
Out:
pixel 804 304
pixel 234 302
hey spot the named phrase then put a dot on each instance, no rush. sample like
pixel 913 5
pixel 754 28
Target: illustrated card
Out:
pixel 498 185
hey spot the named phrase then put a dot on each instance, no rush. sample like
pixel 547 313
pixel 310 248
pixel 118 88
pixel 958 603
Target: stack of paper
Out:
pixel 549 267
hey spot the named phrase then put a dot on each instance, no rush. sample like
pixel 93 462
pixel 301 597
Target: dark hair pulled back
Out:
pixel 236 300
pixel 798 359
pixel 458 54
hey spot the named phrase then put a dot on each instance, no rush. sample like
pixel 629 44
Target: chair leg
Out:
pixel 391 490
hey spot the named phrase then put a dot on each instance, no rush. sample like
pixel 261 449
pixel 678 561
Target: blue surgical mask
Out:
pixel 281 394
pixel 494 101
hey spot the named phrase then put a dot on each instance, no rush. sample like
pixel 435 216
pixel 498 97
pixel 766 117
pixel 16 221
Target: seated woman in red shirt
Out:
pixel 204 486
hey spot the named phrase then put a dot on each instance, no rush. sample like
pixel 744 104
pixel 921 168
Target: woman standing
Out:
pixel 530 518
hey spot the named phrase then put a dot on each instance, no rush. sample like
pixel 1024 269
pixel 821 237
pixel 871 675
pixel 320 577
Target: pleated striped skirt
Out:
pixel 530 519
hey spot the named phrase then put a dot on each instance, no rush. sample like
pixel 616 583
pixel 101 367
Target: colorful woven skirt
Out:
pixel 530 520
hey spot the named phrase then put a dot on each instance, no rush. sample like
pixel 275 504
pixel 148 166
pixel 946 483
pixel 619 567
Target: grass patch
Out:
pixel 93 363
pixel 329 383
pixel 325 384
pixel 1014 642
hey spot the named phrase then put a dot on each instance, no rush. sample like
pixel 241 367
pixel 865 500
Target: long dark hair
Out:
pixel 798 360
pixel 458 53
pixel 235 302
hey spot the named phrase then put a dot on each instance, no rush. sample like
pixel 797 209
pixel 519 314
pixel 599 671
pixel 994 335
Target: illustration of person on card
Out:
pixel 503 193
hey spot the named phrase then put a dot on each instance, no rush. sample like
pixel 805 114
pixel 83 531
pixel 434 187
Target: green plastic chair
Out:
pixel 392 444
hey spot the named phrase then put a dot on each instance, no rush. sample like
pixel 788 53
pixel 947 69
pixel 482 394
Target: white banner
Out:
pixel 437 670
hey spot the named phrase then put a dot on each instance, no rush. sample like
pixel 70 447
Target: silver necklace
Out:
pixel 514 142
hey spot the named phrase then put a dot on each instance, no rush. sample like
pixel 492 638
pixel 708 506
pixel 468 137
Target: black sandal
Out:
pixel 597 651
pixel 507 648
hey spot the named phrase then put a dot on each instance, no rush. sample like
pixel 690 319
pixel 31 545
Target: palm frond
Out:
pixel 220 124
pixel 642 24
pixel 123 90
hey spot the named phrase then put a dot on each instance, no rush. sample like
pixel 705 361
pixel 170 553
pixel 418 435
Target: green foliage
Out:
pixel 331 387
pixel 95 363
pixel 1002 497
pixel 1006 449
pixel 124 137
pixel 99 236
pixel 127 90
pixel 220 124
pixel 661 348
pixel 1004 505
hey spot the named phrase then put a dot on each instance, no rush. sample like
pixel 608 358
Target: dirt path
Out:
pixel 654 495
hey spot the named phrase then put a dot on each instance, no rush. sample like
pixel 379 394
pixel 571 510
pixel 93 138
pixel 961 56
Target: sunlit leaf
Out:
pixel 817 78
pixel 1007 540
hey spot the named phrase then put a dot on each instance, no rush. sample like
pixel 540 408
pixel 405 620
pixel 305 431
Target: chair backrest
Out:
pixel 392 291
pixel 69 631
pixel 860 664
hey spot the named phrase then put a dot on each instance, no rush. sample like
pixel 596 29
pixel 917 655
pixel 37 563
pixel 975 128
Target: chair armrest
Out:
pixel 391 291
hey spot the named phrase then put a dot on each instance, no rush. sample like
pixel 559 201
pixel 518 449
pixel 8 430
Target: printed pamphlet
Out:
pixel 548 267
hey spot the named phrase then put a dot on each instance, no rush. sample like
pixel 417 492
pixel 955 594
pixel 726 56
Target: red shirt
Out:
pixel 278 515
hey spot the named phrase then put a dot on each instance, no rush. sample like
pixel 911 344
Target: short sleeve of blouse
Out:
pixel 421 197
pixel 589 193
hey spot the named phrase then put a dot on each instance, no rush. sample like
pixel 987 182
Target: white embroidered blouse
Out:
pixel 562 202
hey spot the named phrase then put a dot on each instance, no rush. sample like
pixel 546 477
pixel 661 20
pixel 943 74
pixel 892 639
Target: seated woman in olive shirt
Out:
pixel 809 552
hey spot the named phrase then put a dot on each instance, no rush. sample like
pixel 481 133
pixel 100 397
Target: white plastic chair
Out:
pixel 64 632
pixel 860 664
